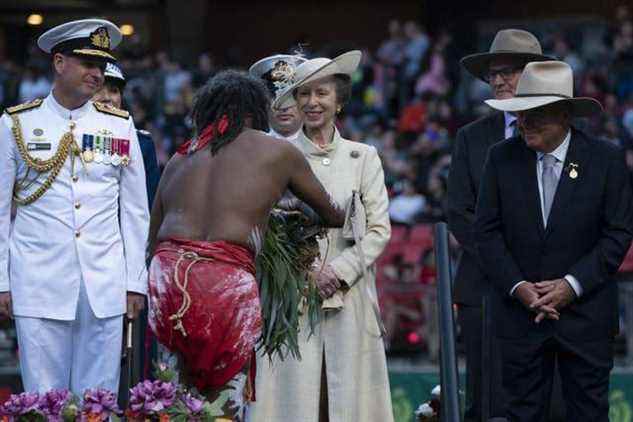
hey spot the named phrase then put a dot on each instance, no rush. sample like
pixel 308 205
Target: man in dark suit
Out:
pixel 554 220
pixel 501 67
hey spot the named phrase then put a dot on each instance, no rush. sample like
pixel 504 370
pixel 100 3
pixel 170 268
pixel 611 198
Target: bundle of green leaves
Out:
pixel 286 290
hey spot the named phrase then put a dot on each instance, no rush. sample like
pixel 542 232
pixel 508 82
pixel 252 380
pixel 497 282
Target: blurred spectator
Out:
pixel 204 71
pixel 176 79
pixel 563 52
pixel 434 80
pixel 391 51
pixel 408 205
pixel 416 46
pixel 33 85
pixel 413 116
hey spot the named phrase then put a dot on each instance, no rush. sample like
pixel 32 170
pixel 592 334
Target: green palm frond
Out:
pixel 289 249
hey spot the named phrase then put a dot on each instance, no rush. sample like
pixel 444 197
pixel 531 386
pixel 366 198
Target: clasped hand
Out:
pixel 546 298
pixel 326 280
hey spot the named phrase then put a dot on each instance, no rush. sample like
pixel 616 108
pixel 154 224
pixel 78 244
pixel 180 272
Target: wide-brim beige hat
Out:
pixel 514 43
pixel 311 70
pixel 544 83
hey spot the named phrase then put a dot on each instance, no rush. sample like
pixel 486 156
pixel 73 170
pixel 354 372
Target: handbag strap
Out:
pixel 361 255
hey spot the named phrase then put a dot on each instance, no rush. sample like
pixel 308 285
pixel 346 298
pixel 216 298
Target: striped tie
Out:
pixel 549 184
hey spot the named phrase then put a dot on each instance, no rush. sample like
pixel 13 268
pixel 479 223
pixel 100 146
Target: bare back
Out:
pixel 229 196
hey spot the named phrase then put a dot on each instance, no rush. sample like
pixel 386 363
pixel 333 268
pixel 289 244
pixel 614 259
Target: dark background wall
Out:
pixel 251 29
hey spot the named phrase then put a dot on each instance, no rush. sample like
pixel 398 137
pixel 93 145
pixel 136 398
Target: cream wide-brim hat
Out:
pixel 511 43
pixel 311 70
pixel 543 83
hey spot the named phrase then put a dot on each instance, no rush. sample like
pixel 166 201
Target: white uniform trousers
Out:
pixel 75 355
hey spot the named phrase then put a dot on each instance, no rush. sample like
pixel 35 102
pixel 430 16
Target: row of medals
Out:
pixel 99 157
pixel 105 158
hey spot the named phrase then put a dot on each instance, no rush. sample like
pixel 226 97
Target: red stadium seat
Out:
pixel 392 250
pixel 412 252
pixel 398 234
pixel 422 235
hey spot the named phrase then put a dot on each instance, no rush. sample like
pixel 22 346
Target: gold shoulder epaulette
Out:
pixel 108 109
pixel 25 106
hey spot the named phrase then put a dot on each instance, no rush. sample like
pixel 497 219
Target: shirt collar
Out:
pixel 312 148
pixel 509 118
pixel 561 152
pixel 272 132
pixel 65 113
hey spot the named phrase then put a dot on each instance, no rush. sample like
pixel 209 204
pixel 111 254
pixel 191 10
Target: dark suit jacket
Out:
pixel 152 172
pixel 588 234
pixel 467 163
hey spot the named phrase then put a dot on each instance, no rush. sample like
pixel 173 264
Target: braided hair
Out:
pixel 233 94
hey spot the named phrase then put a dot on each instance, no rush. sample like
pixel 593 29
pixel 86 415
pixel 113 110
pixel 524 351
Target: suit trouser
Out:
pixel 584 367
pixel 75 355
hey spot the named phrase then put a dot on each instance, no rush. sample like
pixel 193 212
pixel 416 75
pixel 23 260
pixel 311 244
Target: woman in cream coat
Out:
pixel 342 376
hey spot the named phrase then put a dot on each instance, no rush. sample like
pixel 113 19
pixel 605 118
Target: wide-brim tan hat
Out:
pixel 513 43
pixel 544 83
pixel 311 70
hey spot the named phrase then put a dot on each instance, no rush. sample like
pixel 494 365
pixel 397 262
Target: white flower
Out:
pixel 425 410
pixel 435 392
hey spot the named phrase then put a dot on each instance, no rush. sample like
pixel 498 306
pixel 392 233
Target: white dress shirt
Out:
pixel 561 154
pixel 91 225
pixel 278 135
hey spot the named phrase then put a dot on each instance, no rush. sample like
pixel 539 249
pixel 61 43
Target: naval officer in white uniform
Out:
pixel 73 262
pixel 278 73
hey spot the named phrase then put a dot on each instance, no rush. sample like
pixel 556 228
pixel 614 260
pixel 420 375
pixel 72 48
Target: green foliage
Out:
pixel 619 408
pixel 163 372
pixel 71 410
pixel 402 406
pixel 32 416
pixel 288 250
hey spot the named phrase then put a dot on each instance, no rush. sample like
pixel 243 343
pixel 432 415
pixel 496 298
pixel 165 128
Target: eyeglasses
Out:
pixel 505 73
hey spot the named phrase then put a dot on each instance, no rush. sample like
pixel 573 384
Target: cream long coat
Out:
pixel 348 338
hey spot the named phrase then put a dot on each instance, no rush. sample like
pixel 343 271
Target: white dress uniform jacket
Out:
pixel 91 224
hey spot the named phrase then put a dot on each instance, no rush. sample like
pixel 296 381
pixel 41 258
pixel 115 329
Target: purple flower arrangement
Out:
pixel 57 403
pixel 149 398
pixel 161 400
pixel 22 407
pixel 98 405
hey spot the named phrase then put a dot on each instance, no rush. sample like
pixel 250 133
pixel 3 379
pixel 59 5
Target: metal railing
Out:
pixel 449 380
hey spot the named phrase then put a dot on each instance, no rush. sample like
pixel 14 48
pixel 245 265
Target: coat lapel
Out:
pixel 566 184
pixel 528 170
pixel 497 128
